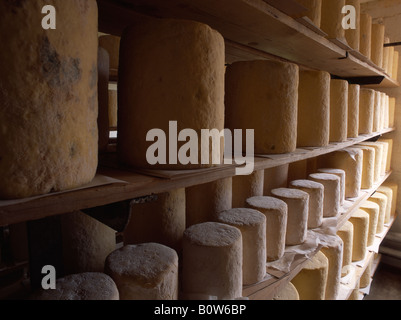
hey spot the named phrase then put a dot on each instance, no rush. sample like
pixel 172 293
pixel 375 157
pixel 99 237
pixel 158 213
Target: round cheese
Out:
pixel 395 65
pixel 353 110
pixel 212 261
pixel 49 102
pixel 146 271
pixel 388 192
pixel 390 143
pixel 297 220
pixel 334 253
pixel 314 10
pixel 313 99
pixel 360 221
pixel 386 54
pixel 394 187
pixel 339 173
pixel 377 44
pixel 353 35
pixel 275 178
pixel 381 200
pixel 276 212
pixel 252 225
pixel 346 233
pixel 385 156
pixel 377 111
pixel 368 167
pixel 373 209
pixel 113 106
pixel 332 19
pixel 390 66
pixel 263 95
pixel 338 110
pixel 366 110
pixel 289 292
pixel 378 158
pixel 365 45
pixel 391 112
pixel 245 187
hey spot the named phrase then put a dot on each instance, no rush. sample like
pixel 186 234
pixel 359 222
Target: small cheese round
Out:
pixel 373 210
pixel 297 220
pixel 353 110
pixel 252 225
pixel 395 65
pixel 366 110
pixel 316 200
pixel 388 192
pixel 378 31
pixel 366 35
pixel 338 110
pixel 341 174
pixel 332 19
pixel 245 187
pixel 146 271
pixel 360 221
pixel 346 233
pixel 276 212
pixel 381 200
pixel 379 149
pixel 212 261
pixel 289 292
pixel 368 167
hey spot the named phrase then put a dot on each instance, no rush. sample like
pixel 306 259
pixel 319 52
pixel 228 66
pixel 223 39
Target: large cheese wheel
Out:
pixel 338 110
pixel 381 200
pixel 297 220
pixel 368 167
pixel 366 110
pixel 353 35
pixel 353 110
pixel 112 45
pixel 212 261
pixel 263 96
pixel 395 65
pixel 377 44
pixel 316 200
pixel 378 158
pixel 334 253
pixel 365 45
pixel 394 187
pixel 360 221
pixel 311 280
pixel 245 187
pixel 377 111
pixel 313 99
pixel 332 19
pixel 49 102
pixel 288 293
pixel 373 210
pixel 276 212
pixel 157 77
pixel 389 158
pixel 346 233
pixel 388 192
pixel 161 220
pixel 391 121
pixel 146 271
pixel 252 225
pixel 332 193
pixel 103 98
pixel 216 197
pixel 275 178
pixel 350 160
pixel 341 174
pixel 86 243
pixel 89 286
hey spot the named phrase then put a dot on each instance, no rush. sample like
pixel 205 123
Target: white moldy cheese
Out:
pixel 346 233
pixel 373 210
pixel 360 221
pixel 334 253
pixel 338 110
pixel 365 45
pixel 366 110
pixel 353 110
pixel 56 72
pixel 341 174
pixel 388 192
pixel 263 95
pixel 368 167
pixel 378 158
pixel 276 213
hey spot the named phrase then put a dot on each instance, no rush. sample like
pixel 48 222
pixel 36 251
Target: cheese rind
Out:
pixel 112 45
pixel 378 158
pixel 288 293
pixel 388 192
pixel 332 19
pixel 314 10
pixel 394 187
pixel 366 111
pixel 341 174
pixel 360 221
pixel 353 110
pixel 373 210
pixel 275 178
pixel 338 110
pixel 353 35
pixel 377 44
pixel 368 167
pixel 346 233
pixel 365 45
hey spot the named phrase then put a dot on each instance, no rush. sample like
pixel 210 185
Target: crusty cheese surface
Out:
pixel 353 35
pixel 360 221
pixel 388 192
pixel 338 110
pixel 288 293
pixel 314 10
pixel 379 149
pixel 332 18
pixel 353 110
pixel 366 110
pixel 373 210
pixel 378 31
pixel 394 188
pixel 381 200
pixel 346 233
pixel 368 167
pixel 334 253
pixel 341 174
pixel 365 46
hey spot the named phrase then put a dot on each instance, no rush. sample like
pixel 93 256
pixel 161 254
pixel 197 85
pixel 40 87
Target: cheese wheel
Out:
pixel 154 87
pixel 311 280
pixel 263 95
pixel 275 178
pixel 58 127
pixel 388 192
pixel 391 61
pixel 360 221
pixel 103 98
pixel 382 111
pixel 368 167
pixel 395 65
pixel 289 292
pixel 160 221
pixel 366 110
pixel 386 56
pixel 147 271
pixel 353 35
pixel 394 188
pixel 373 209
pixel 338 110
pixel 89 286
pixel 378 158
pixel 332 193
pixel 216 197
pixel 391 121
pixel 341 174
pixel 366 277
pixel 314 10
pixel 245 187
pixel 353 110
pixel 313 99
pixel 86 243
pixel 377 44
pixel 334 253
pixel 276 212
pixel 297 219
pixel 112 45
pixel 349 160
pixel 386 122
pixel 332 19
pixel 390 143
pixel 385 156
pixel 346 233
pixel 252 225
pixel 377 111
pixel 113 106
pixel 365 44
pixel 381 200
pixel 316 200
pixel 212 261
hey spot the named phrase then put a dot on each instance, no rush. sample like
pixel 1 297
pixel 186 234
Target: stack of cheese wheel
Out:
pixel 350 160
pixel 366 35
pixel 252 225
pixel 378 158
pixel 341 174
pixel 297 219
pixel 311 281
pixel 390 143
pixel 313 98
pixel 154 87
pixel 373 210
pixel 276 212
pixel 112 45
pixel 368 167
pixel 146 271
pixel 346 233
pixel 332 19
pixel 86 243
pixel 333 250
pixel 212 261
pixel 394 188
pixel 381 200
pixel 378 31
pixel 275 178
pixel 366 110
pixel 332 193
pixel 103 98
pixel 316 200
pixel 338 110
pixel 49 103
pixel 89 286
pixel 353 110
pixel 161 220
pixel 360 221
pixel 388 192
pixel 216 197
pixel 353 35
pixel 288 293
pixel 263 95
pixel 245 187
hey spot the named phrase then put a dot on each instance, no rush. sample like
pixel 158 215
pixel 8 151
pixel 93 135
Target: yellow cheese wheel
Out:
pixel 373 209
pixel 377 44
pixel 353 110
pixel 365 45
pixel 353 35
pixel 366 110
pixel 332 19
pixel 346 233
pixel 338 110
pixel 360 221
pixel 381 200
